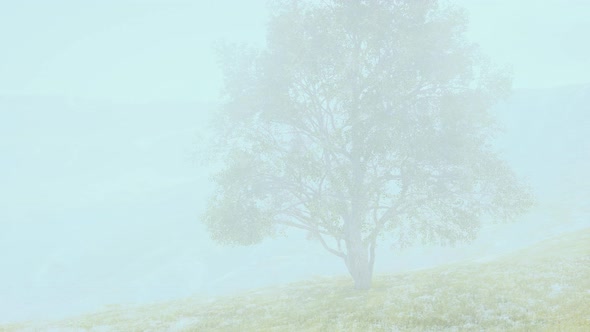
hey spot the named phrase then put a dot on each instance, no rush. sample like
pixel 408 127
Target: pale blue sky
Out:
pixel 160 50
pixel 126 50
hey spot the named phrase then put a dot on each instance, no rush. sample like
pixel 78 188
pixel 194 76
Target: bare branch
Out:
pixel 331 250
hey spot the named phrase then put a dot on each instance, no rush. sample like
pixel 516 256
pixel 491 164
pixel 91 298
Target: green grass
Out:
pixel 542 288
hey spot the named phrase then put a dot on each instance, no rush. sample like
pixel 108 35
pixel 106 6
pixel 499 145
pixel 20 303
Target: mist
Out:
pixel 105 108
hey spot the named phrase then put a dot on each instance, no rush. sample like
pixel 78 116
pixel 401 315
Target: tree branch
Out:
pixel 332 251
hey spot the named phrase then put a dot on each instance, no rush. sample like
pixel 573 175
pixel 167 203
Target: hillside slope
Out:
pixel 545 287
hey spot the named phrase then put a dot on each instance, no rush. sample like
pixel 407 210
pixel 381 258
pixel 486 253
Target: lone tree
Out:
pixel 361 121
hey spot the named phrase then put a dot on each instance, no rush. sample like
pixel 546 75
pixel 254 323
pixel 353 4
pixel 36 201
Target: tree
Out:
pixel 361 121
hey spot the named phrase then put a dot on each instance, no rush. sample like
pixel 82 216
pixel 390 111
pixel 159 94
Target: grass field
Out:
pixel 542 288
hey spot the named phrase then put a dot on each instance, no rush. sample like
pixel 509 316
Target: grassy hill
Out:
pixel 542 288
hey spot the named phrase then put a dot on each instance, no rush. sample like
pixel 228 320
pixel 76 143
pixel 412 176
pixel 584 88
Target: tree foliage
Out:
pixel 361 120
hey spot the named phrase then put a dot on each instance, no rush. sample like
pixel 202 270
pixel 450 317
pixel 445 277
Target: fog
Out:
pixel 104 109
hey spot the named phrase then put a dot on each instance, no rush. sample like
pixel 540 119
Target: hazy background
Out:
pixel 103 105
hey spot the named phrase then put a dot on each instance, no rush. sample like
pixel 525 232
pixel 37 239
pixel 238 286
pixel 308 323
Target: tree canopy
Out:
pixel 361 120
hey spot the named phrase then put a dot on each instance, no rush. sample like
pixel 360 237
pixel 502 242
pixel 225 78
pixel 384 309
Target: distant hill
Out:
pixel 547 136
pixel 98 195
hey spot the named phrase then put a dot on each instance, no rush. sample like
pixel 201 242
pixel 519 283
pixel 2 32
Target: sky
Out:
pixel 102 104
pixel 124 50
pixel 161 50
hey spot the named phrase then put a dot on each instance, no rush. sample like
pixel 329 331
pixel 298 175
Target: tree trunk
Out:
pixel 359 264
pixel 359 259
